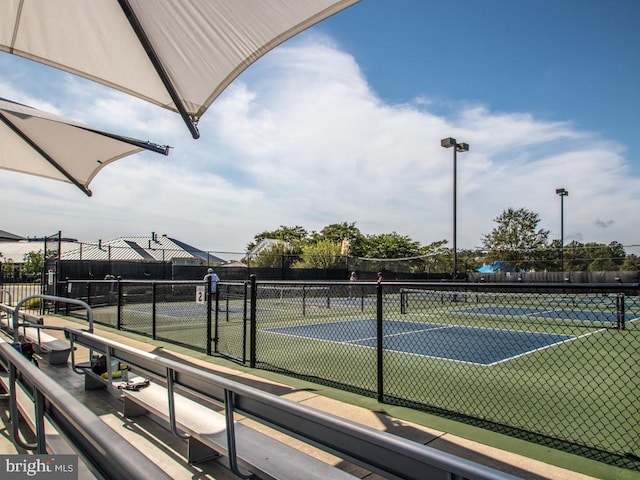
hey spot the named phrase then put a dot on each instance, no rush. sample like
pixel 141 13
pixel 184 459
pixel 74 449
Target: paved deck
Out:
pixel 169 452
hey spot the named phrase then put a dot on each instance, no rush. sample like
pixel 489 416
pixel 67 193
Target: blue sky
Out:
pixel 343 123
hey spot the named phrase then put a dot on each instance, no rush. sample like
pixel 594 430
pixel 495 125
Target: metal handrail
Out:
pixel 376 450
pixel 3 291
pixel 107 451
pixel 53 298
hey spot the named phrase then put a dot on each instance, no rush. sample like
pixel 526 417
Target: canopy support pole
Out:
pixel 190 120
pixel 154 147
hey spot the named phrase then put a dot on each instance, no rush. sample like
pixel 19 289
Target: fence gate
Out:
pixel 231 321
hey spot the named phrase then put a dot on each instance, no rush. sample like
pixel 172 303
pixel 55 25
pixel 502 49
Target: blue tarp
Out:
pixel 497 266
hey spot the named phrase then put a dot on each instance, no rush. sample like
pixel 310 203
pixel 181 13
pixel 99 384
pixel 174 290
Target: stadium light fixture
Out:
pixel 562 192
pixel 457 147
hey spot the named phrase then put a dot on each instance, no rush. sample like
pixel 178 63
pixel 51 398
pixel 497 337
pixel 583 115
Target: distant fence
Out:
pixel 165 270
pixel 552 363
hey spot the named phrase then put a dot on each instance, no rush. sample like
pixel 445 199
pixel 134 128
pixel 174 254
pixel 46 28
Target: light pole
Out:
pixel 562 192
pixel 457 147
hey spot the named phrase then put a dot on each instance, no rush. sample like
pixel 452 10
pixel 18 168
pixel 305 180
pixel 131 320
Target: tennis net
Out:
pixel 577 309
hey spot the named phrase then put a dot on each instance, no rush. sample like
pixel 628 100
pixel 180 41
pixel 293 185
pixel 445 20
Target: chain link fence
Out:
pixel 557 364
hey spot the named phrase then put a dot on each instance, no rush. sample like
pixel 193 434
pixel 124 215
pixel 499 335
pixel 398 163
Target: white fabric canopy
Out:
pixel 194 48
pixel 38 143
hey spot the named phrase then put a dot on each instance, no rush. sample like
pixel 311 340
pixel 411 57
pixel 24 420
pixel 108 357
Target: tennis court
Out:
pixel 482 346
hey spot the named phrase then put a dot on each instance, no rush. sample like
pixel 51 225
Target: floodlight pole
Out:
pixel 457 147
pixel 562 192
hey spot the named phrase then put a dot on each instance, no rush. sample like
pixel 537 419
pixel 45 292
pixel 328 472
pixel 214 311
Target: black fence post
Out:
pixel 244 322
pixel 207 290
pixel 252 325
pixel 153 310
pixel 119 305
pixel 304 300
pixel 67 293
pixel 380 345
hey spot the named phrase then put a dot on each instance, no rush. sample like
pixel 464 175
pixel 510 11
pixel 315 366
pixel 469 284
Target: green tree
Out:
pixel 279 255
pixel 617 252
pixel 603 257
pixel 292 235
pixel 576 257
pixel 602 265
pixel 468 260
pixel 436 257
pixel 631 263
pixel 549 257
pixel 33 263
pixel 321 254
pixel 516 239
pixel 594 257
pixel 390 245
pixel 336 232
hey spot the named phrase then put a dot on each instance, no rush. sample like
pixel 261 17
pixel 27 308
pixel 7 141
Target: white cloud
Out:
pixel 301 139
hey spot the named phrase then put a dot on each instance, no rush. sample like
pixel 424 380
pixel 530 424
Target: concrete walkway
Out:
pixel 169 451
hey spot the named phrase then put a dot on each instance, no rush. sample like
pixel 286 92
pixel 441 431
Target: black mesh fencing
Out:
pixel 556 364
pixel 171 311
pixel 307 329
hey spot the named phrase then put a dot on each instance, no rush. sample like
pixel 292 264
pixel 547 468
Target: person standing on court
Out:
pixel 212 279
pixel 352 278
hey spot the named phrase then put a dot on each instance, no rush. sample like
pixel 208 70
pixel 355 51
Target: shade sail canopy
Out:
pixel 46 145
pixel 176 54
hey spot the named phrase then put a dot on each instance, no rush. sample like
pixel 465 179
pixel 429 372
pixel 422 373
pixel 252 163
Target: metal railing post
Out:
pixel 172 406
pixel 231 435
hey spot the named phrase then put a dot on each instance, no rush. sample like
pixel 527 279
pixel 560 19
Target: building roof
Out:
pixel 147 248
pixel 4 236
pixel 14 252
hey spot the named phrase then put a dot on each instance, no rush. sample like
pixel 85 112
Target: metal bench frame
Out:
pixel 31 330
pixel 107 452
pixel 375 450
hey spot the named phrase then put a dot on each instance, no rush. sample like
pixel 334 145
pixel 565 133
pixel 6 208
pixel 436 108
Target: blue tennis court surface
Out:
pixel 580 315
pixel 483 346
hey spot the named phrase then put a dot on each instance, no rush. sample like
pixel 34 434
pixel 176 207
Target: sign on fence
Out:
pixel 200 297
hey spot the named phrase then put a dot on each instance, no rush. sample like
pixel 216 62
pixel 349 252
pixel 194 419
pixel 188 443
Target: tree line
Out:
pixel 516 241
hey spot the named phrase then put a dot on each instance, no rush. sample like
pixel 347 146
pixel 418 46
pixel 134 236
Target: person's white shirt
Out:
pixel 213 280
